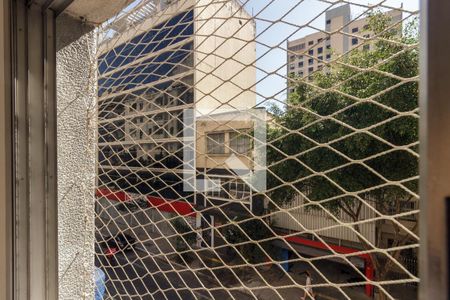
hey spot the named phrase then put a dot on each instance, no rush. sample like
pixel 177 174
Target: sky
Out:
pixel 272 34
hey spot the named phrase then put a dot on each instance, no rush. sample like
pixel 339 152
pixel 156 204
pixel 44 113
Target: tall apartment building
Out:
pixel 165 58
pixel 342 34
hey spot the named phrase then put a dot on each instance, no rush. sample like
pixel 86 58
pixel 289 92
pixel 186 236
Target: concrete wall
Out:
pixel 76 98
pixel 300 218
pixel 225 56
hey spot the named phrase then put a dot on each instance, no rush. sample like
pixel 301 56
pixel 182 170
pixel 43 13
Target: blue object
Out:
pixel 285 259
pixel 100 279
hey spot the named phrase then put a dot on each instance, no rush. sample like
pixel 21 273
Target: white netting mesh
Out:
pixel 258 149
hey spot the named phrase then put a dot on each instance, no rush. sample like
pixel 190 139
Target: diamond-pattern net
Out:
pixel 258 149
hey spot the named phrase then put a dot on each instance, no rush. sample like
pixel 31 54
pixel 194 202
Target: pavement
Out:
pixel 147 272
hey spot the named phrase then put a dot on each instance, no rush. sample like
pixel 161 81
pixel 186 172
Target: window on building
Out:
pixel 215 143
pixel 328 57
pixel 291 66
pixel 214 187
pixel 320 50
pixel 366 47
pixel 355 29
pixel 328 22
pixel 238 190
pixel 300 73
pixel 328 38
pixel 320 58
pixel 300 64
pixel 367 36
pixel 328 47
pixel 311 52
pixel 320 40
pixel 239 142
pixel 310 61
pixel 310 70
pixel 292 57
pixel 354 41
pixel 300 57
pixel 366 27
pixel 310 43
pixel 319 67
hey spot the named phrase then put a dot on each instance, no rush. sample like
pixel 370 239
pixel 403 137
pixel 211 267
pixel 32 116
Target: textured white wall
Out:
pixel 225 56
pixel 76 98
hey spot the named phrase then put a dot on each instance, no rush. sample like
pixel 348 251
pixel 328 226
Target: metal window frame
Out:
pixel 33 194
pixel 434 164
pixel 434 150
pixel 6 221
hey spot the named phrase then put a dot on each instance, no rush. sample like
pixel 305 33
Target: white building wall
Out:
pixel 225 54
pixel 299 218
pixel 76 98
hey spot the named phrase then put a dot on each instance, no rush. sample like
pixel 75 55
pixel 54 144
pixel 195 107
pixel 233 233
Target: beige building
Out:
pixel 341 35
pixel 224 154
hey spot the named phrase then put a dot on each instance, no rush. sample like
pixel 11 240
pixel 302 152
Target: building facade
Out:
pixel 342 34
pixel 168 58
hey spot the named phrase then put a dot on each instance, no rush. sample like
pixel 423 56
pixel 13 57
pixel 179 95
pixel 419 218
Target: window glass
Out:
pixel 215 143
pixel 239 142
pixel 238 190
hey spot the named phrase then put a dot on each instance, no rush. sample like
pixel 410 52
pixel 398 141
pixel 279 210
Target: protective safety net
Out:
pixel 258 149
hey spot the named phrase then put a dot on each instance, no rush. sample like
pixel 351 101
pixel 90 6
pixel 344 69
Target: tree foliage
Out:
pixel 248 238
pixel 352 129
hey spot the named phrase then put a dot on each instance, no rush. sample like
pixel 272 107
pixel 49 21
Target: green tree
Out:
pixel 351 133
pixel 248 236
